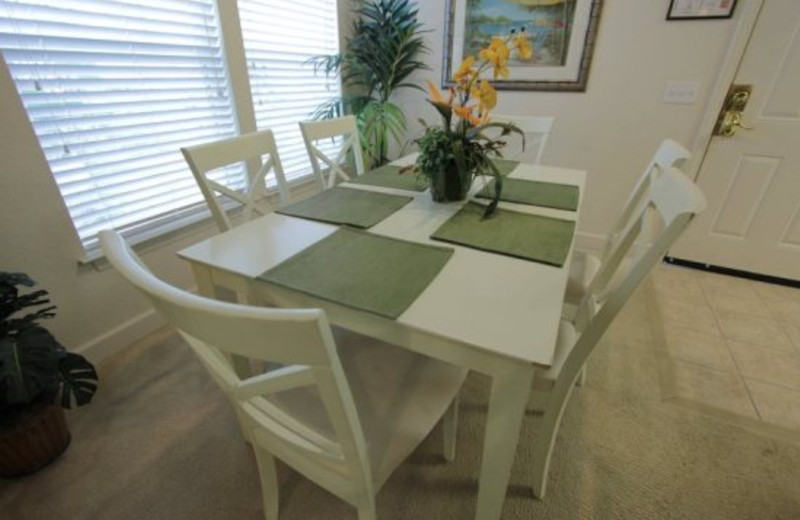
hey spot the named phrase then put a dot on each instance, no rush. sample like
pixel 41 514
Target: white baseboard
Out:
pixel 120 337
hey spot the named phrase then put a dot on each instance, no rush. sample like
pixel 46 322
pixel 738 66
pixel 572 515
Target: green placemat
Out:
pixel 536 193
pixel 505 166
pixel 388 176
pixel 350 206
pixel 521 235
pixel 369 272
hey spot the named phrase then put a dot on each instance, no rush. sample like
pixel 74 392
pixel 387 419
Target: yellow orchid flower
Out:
pixel 465 70
pixel 500 48
pixel 523 46
pixel 501 71
pixel 497 53
pixel 486 95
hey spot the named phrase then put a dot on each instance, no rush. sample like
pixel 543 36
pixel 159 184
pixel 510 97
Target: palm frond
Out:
pixel 379 59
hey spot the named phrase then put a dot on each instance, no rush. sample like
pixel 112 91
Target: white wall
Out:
pixel 612 129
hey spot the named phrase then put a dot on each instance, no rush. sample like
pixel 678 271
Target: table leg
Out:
pixel 204 280
pixel 507 403
pixel 206 287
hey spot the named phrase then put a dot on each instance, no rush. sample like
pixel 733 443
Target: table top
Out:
pixel 496 303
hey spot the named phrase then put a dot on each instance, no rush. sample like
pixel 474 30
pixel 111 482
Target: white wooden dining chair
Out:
pixel 586 264
pixel 537 131
pixel 343 410
pixel 327 129
pixel 206 158
pixel 673 200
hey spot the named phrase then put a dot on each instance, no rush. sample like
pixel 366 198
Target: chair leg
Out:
pixel 537 401
pixel 449 429
pixel 581 377
pixel 541 458
pixel 366 510
pixel 244 426
pixel 546 438
pixel 269 482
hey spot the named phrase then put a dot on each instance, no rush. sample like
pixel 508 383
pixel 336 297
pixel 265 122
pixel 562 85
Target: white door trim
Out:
pixel 748 15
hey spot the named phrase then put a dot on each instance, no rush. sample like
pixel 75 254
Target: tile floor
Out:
pixel 729 343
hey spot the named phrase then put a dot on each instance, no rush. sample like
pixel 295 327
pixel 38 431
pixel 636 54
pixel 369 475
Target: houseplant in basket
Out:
pixel 453 154
pixel 38 377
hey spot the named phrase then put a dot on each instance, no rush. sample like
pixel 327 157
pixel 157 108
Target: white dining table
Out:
pixel 493 314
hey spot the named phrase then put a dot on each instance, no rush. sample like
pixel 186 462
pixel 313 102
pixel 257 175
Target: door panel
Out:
pixel 752 179
pixel 750 182
pixel 792 237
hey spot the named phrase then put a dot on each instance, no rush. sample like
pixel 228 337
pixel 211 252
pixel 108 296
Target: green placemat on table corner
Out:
pixel 374 273
pixel 388 176
pixel 535 193
pixel 521 235
pixel 505 166
pixel 349 206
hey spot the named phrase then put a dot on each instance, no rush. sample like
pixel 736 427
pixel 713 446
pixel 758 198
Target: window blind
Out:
pixel 113 89
pixel 279 38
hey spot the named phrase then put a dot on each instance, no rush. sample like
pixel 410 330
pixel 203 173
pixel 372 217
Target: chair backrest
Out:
pixel 205 158
pixel 536 130
pixel 344 127
pixel 300 340
pixel 669 154
pixel 674 200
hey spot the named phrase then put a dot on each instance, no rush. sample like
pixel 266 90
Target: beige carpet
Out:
pixel 160 442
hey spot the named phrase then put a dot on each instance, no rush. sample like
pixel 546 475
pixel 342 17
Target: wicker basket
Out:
pixel 33 442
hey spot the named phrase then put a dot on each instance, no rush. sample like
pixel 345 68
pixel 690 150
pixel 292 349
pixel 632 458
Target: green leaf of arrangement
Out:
pixel 445 110
pixel 506 129
pixel 498 188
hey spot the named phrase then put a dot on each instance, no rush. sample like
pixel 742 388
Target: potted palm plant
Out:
pixel 38 378
pixel 385 48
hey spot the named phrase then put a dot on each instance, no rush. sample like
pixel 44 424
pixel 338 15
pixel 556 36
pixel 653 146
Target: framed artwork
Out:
pixel 700 9
pixel 562 34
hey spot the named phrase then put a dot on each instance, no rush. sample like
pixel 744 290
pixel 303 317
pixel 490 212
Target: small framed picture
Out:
pixel 700 9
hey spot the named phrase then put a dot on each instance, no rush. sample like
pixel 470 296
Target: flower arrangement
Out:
pixel 453 154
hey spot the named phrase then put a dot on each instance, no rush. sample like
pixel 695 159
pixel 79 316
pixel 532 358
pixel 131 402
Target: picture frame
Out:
pixel 700 9
pixel 563 34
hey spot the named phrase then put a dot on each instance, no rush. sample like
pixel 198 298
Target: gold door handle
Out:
pixel 730 121
pixel 730 117
pixel 737 121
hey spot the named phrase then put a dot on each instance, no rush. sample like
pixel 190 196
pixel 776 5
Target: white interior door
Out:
pixel 752 179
